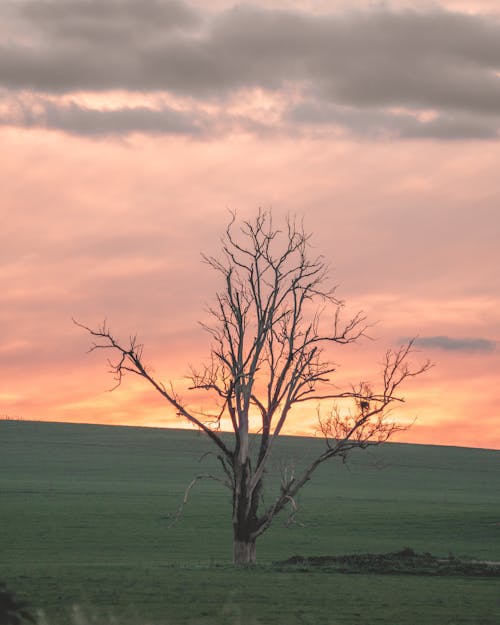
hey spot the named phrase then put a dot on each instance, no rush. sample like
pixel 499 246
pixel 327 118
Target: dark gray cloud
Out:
pixel 449 343
pixel 383 124
pixel 370 61
pixel 106 21
pixel 93 122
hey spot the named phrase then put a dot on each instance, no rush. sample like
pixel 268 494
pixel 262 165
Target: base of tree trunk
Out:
pixel 244 552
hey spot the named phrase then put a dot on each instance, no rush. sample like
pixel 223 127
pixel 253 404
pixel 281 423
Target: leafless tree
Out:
pixel 270 336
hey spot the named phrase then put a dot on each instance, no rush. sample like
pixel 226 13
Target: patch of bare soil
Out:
pixel 404 562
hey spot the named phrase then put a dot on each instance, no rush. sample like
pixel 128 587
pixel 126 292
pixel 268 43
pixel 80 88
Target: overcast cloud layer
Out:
pixel 379 72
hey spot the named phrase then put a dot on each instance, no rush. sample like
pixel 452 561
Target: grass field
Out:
pixel 85 515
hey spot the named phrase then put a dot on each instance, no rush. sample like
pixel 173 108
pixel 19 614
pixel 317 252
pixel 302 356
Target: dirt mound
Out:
pixel 404 562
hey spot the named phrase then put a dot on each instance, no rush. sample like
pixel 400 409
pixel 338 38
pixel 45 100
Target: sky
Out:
pixel 130 130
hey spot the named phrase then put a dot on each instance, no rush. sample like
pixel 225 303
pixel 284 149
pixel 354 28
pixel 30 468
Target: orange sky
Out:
pixel 112 185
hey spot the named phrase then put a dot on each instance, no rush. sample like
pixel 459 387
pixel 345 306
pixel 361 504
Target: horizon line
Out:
pixel 15 419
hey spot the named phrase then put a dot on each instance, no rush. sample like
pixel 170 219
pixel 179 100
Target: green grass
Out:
pixel 85 514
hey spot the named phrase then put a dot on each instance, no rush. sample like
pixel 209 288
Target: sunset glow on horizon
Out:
pixel 129 135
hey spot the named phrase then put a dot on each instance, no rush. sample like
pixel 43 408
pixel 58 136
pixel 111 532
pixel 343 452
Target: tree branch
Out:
pixel 203 476
pixel 130 360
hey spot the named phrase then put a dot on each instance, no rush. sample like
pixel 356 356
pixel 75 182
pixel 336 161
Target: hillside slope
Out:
pixel 86 513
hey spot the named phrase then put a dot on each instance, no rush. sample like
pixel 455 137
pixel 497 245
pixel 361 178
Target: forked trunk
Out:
pixel 244 551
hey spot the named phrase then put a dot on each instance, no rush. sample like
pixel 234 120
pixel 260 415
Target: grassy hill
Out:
pixel 85 515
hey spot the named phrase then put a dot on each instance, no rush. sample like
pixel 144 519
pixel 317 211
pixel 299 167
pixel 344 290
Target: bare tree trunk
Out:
pixel 245 506
pixel 244 550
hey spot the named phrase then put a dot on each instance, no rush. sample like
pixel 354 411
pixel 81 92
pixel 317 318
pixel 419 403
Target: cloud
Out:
pixel 448 343
pixel 371 62
pixel 83 120
pixel 396 124
pixel 95 21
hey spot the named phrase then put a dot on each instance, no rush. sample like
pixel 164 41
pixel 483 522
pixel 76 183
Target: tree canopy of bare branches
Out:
pixel 271 326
